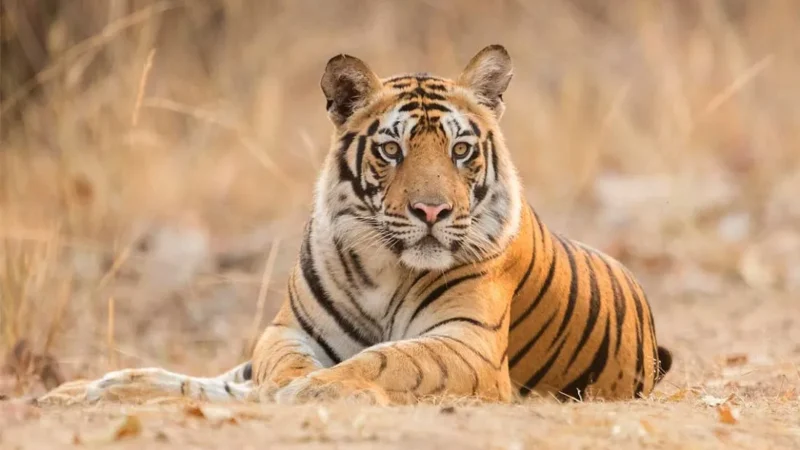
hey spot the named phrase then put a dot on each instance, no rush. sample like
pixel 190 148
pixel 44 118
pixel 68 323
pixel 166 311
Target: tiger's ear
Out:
pixel 487 75
pixel 347 84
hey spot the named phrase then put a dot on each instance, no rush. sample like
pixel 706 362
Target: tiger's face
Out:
pixel 418 166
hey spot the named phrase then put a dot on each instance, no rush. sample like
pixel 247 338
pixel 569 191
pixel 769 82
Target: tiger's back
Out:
pixel 580 323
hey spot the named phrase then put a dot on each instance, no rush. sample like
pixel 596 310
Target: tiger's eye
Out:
pixel 461 150
pixel 392 150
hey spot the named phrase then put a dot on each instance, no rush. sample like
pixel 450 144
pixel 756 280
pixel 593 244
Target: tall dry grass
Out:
pixel 153 151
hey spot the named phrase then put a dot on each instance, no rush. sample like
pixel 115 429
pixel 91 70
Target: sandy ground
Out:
pixel 735 384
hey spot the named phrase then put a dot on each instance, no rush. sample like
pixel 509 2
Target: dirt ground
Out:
pixel 735 384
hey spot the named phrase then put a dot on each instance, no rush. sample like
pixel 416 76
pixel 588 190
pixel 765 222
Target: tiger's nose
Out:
pixel 430 214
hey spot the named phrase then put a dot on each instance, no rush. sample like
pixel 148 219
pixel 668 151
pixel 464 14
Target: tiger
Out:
pixel 423 273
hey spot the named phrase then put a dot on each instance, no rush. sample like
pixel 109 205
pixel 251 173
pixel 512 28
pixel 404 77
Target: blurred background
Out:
pixel 157 159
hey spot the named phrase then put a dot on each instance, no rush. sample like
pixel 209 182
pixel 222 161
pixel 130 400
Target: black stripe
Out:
pixel 396 295
pixel 416 129
pixel 526 348
pixel 545 287
pixel 527 271
pixel 543 371
pixel 319 293
pixel 415 364
pixel 344 169
pixel 359 268
pixel 437 107
pixel 373 128
pixel 424 76
pixel 345 212
pixel 307 328
pixel 401 78
pixel 367 320
pixel 389 132
pixel 436 87
pixel 472 370
pixel 283 357
pixel 438 292
pixel 619 304
pixel 374 148
pixel 475 128
pixel 410 106
pixel 594 312
pixel 443 373
pixel 362 144
pixel 383 364
pixel 400 299
pixel 347 272
pixel 462 133
pixel 573 289
pixel 470 348
pixel 490 140
pixel 593 371
pixel 639 344
pixel 479 191
pixel 434 96
pixel 274 350
pixel 468 320
pixel 444 275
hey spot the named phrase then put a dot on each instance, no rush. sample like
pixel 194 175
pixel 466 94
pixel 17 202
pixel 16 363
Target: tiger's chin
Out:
pixel 427 255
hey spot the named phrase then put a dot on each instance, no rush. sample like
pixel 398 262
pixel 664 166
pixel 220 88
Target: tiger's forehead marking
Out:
pixel 422 104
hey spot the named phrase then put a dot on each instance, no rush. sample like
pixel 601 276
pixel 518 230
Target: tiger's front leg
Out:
pixel 283 353
pixel 455 360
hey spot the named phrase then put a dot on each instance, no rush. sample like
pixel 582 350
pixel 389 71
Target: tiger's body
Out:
pixel 422 271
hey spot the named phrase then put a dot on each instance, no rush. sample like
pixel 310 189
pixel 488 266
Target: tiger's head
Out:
pixel 418 168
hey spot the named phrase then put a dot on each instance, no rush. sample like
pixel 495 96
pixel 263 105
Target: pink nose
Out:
pixel 431 213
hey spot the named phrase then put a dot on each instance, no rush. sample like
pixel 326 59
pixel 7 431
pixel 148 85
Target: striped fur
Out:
pixel 486 302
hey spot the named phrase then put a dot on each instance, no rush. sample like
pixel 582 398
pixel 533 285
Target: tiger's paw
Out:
pixel 323 387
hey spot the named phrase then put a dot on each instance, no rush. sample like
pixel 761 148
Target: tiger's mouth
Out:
pixel 428 253
pixel 429 241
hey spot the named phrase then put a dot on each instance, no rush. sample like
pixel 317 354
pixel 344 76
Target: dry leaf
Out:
pixel 213 414
pixel 727 415
pixel 681 395
pixel 648 427
pixel 789 396
pixel 194 411
pixel 130 427
pixel 739 359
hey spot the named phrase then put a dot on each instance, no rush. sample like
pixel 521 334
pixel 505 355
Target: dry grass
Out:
pixel 164 149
